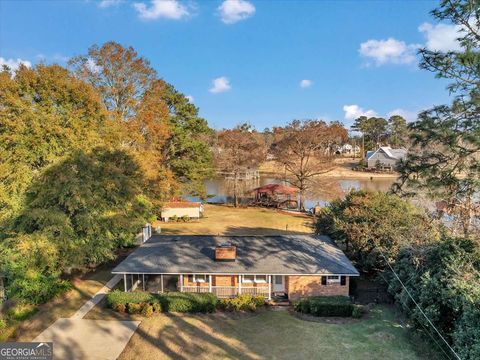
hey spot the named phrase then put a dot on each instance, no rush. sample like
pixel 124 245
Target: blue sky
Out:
pixel 356 57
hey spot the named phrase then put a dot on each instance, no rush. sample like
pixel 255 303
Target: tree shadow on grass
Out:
pixel 183 340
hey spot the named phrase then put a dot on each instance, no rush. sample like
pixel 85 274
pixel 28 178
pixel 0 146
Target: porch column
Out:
pixel 143 281
pixel 181 283
pixel 209 283
pixel 125 282
pixel 239 284
pixel 269 287
pixel 161 283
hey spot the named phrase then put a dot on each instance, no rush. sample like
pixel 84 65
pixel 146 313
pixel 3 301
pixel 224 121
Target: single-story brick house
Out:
pixel 181 208
pixel 292 266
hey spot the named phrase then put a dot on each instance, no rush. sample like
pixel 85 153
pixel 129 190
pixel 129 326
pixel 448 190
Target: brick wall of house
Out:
pixel 303 286
pixel 222 280
pixel 225 280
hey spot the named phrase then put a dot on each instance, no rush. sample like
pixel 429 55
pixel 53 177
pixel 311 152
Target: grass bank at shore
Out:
pixel 343 169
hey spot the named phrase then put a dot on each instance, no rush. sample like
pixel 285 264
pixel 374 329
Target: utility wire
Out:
pixel 426 329
pixel 419 308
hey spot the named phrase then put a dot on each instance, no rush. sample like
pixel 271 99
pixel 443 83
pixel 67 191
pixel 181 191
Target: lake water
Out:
pixel 322 191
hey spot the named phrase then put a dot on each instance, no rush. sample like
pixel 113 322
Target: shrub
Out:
pixel 147 310
pixel 119 297
pixel 134 308
pixel 121 308
pixel 37 288
pixel 185 218
pixel 22 311
pixel 357 311
pixel 157 307
pixel 188 302
pixel 174 218
pixel 169 302
pixel 243 302
pixel 3 324
pixel 325 306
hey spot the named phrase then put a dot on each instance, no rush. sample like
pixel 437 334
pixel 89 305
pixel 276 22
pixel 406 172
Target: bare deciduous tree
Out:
pixel 304 148
pixel 239 149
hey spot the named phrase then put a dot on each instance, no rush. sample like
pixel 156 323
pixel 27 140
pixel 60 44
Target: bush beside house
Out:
pixel 147 304
pixel 244 302
pixel 328 306
pixel 135 302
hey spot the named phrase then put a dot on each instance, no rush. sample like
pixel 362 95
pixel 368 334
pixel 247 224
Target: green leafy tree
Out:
pixel 373 226
pixel 444 162
pixel 77 213
pixel 159 122
pixel 397 131
pixel 46 113
pixel 374 130
pixel 188 150
pixel 443 279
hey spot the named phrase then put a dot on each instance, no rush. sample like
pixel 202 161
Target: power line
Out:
pixel 426 330
pixel 419 308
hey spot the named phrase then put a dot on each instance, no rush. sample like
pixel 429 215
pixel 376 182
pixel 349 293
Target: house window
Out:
pixel 248 278
pixel 260 278
pixel 333 279
pixel 190 278
pixel 200 278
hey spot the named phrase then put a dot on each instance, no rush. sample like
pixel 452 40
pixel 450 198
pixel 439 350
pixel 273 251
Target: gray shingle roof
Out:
pixel 284 254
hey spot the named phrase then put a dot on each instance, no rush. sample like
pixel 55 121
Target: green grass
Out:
pixel 270 334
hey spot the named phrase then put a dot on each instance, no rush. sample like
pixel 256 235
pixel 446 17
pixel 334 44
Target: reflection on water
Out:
pixel 322 191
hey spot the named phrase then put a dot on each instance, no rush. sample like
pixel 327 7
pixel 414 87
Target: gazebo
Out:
pixel 276 195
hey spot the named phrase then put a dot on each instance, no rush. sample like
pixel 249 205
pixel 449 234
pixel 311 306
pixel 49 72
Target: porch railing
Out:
pixel 228 291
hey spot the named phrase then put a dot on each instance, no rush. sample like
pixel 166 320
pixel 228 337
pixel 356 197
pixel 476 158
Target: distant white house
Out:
pixel 181 208
pixel 349 149
pixel 385 157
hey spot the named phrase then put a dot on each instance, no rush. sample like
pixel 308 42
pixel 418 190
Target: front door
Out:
pixel 278 283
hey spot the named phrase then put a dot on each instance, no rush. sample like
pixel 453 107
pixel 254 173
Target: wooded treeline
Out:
pixel 88 154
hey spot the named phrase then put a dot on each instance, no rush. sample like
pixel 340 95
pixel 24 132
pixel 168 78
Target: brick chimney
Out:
pixel 225 252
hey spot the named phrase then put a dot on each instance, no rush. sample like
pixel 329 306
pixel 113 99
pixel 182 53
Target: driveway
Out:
pixel 76 338
pixel 81 339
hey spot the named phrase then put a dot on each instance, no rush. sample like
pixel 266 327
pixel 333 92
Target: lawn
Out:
pixel 270 334
pixel 226 220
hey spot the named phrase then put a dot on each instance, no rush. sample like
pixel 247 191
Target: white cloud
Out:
pixel 232 11
pixel 92 66
pixel 389 51
pixel 353 112
pixel 220 85
pixel 190 98
pixel 14 64
pixel 305 83
pixel 406 114
pixel 169 9
pixel 441 37
pixel 108 3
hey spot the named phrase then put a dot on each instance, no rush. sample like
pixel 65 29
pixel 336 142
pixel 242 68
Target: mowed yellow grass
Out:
pixel 227 220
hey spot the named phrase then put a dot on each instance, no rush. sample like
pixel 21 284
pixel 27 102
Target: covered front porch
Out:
pixel 222 285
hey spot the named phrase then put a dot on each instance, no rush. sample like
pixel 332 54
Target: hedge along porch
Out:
pixel 291 265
